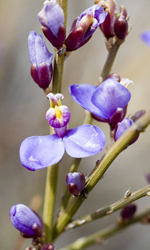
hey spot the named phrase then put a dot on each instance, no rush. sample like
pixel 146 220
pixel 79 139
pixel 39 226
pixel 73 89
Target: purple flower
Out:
pixel 41 60
pixel 84 26
pixel 122 127
pixel 145 36
pixel 38 152
pixel 75 182
pixel 52 19
pixel 107 102
pixel 26 221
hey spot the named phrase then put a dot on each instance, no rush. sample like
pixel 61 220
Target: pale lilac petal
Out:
pixel 145 36
pixel 84 141
pixel 109 96
pixel 82 94
pixel 38 152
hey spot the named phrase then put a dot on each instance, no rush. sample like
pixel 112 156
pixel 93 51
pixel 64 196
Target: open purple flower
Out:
pixel 26 221
pixel 38 152
pixel 52 19
pixel 41 60
pixel 84 26
pixel 107 102
pixel 145 36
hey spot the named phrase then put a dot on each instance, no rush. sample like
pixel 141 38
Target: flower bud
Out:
pixel 26 221
pixel 128 211
pixel 122 127
pixel 121 27
pixel 41 60
pixel 107 27
pixel 52 19
pixel 75 182
pixel 84 26
pixel 47 246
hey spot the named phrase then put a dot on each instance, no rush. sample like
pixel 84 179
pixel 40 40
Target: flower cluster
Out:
pixel 106 103
pixel 116 23
pixel 52 20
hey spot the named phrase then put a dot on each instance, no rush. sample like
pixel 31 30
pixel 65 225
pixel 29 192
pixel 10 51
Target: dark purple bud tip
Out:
pixel 75 182
pixel 121 27
pixel 26 221
pixel 128 211
pixel 118 116
pixel 47 246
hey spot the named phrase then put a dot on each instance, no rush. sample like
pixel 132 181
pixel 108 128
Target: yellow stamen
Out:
pixel 58 113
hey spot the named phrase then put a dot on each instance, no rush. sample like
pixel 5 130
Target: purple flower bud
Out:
pixel 52 19
pixel 118 116
pixel 121 27
pixel 128 211
pixel 107 27
pixel 58 115
pixel 122 127
pixel 26 221
pixel 75 182
pixel 47 246
pixel 84 26
pixel 41 60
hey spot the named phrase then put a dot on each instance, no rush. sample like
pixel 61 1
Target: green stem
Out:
pixel 109 61
pixel 49 202
pixel 52 172
pixel 59 59
pixel 103 234
pixel 100 169
pixel 109 209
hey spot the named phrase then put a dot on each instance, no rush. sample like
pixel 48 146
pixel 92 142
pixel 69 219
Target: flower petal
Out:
pixel 109 96
pixel 82 94
pixel 38 152
pixel 84 141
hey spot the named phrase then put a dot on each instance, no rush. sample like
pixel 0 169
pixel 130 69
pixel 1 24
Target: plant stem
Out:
pixel 59 59
pixel 100 169
pixel 49 203
pixel 109 61
pixel 103 234
pixel 107 210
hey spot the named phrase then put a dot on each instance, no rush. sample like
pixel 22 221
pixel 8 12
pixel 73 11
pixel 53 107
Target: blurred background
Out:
pixel 22 114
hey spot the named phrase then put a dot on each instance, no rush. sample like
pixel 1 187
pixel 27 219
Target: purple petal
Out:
pixel 122 127
pixel 109 96
pixel 52 16
pixel 38 152
pixel 145 36
pixel 38 51
pixel 84 141
pixel 25 220
pixel 82 94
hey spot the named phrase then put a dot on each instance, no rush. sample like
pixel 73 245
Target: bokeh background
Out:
pixel 22 114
